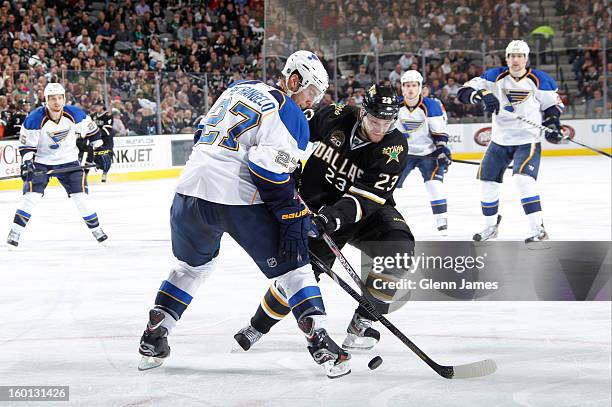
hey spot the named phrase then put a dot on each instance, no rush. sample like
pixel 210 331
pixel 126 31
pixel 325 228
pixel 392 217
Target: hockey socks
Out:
pixel 272 309
pixel 530 200
pixel 177 291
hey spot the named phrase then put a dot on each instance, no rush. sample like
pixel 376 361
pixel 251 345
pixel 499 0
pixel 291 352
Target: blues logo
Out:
pixel 515 97
pixel 410 126
pixel 57 137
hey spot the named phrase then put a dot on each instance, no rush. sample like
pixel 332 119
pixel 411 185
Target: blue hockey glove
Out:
pixel 103 159
pixel 325 221
pixel 553 123
pixel 488 100
pixel 27 170
pixel 295 223
pixel 443 156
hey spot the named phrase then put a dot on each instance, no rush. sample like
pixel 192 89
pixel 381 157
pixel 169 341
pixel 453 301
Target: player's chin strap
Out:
pixel 469 370
pixel 546 129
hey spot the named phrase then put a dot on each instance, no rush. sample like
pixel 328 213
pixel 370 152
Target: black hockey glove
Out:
pixel 295 224
pixel 103 159
pixel 443 156
pixel 553 123
pixel 325 221
pixel 488 100
pixel 27 170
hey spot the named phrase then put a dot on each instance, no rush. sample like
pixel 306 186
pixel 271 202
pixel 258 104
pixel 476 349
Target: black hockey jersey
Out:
pixel 104 120
pixel 346 171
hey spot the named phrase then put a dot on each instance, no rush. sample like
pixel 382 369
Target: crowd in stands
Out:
pixel 402 32
pixel 171 58
pixel 130 55
pixel 450 35
pixel 583 25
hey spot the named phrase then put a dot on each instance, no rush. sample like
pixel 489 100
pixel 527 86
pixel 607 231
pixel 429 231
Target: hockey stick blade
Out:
pixel 476 369
pixel 470 370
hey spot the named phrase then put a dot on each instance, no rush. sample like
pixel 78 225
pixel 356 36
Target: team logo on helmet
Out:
pixel 381 102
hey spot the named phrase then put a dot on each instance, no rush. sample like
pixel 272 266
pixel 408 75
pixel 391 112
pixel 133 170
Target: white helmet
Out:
pixel 54 89
pixel 517 47
pixel 412 76
pixel 310 68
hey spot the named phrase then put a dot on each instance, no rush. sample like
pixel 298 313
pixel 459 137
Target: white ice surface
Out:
pixel 72 312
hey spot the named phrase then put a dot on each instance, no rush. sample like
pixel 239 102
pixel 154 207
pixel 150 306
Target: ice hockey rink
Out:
pixel 73 311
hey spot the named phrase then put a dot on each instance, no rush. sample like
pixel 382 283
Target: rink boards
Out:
pixel 156 157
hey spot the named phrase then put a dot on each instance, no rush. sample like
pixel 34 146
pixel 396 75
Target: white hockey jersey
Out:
pixel 423 125
pixel 252 127
pixel 55 142
pixel 529 96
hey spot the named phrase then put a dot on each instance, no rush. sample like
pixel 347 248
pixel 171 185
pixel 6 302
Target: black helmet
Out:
pixel 381 102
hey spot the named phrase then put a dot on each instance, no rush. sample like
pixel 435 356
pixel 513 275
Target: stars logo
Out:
pixel 393 153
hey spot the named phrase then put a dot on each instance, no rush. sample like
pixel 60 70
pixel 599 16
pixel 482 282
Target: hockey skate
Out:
pixel 99 234
pixel 333 359
pixel 539 239
pixel 490 232
pixel 154 342
pixel 13 239
pixel 360 335
pixel 247 337
pixel 442 226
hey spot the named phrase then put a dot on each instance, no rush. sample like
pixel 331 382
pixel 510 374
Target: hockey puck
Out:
pixel 375 362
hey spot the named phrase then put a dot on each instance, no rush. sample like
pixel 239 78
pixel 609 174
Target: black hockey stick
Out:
pixel 546 129
pixel 53 172
pixel 382 306
pixel 453 160
pixel 470 370
pixel 590 148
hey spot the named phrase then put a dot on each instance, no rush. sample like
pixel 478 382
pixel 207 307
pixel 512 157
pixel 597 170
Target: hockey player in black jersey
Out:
pixel 348 182
pixel 104 120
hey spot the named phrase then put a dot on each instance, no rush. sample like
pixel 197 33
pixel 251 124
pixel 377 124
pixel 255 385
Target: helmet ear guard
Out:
pixel 381 102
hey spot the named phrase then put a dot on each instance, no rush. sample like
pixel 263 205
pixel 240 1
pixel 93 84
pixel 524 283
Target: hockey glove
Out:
pixel 326 221
pixel 553 123
pixel 488 100
pixel 102 159
pixel 27 170
pixel 443 156
pixel 295 223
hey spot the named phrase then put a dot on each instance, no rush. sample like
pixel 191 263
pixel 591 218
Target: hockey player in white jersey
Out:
pixel 423 122
pixel 237 181
pixel 529 93
pixel 48 142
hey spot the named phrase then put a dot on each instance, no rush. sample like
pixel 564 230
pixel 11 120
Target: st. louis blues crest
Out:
pixel 410 126
pixel 515 97
pixel 57 137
